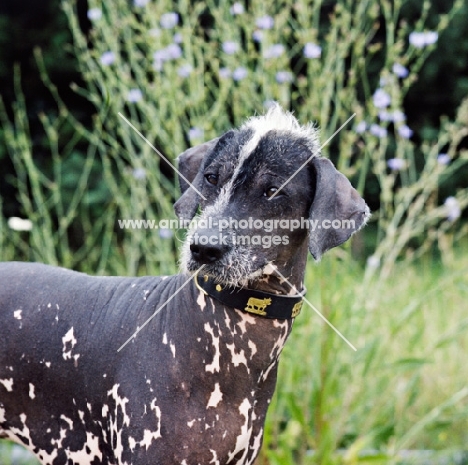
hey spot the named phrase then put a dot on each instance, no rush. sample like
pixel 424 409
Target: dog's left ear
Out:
pixel 189 173
pixel 337 211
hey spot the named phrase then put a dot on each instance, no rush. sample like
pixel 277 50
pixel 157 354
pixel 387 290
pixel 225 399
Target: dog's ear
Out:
pixel 190 163
pixel 337 211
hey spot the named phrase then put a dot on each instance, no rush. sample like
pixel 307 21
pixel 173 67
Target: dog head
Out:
pixel 256 194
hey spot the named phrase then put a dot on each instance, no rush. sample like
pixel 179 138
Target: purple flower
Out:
pixel 265 22
pixel 177 39
pixel 174 51
pixel 361 127
pixel 139 173
pixel 134 95
pixel 140 3
pixel 283 77
pixel 230 47
pixel 94 14
pixel 239 73
pixel 169 20
pixel 385 115
pixel 196 134
pixel 312 50
pixel 257 36
pixel 399 70
pixel 396 164
pixel 165 233
pixel 398 116
pixel 422 39
pixel 236 9
pixel 404 131
pixel 274 51
pixel 267 104
pixel 443 159
pixel 225 73
pixel 381 99
pixel 107 58
pixel 184 71
pixel 171 52
pixel 378 131
pixel 452 208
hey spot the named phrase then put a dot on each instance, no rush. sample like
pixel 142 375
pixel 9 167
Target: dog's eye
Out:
pixel 212 179
pixel 270 192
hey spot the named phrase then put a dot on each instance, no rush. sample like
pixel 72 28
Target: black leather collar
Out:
pixel 257 302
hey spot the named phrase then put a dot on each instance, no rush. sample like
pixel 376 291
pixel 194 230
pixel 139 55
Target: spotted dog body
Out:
pixel 194 386
pixel 191 388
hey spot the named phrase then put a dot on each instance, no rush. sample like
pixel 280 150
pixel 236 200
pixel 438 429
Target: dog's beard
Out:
pixel 236 268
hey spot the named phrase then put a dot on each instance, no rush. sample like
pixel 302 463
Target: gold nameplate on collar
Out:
pixel 257 306
pixel 296 309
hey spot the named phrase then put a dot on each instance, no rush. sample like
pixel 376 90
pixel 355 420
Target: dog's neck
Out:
pixel 283 278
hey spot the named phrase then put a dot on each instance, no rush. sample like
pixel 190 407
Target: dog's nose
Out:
pixel 207 246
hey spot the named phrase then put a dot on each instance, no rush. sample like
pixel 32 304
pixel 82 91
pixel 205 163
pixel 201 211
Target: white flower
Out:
pixel 283 77
pixel 399 70
pixel 381 99
pixel 107 58
pixel 134 95
pixel 452 208
pixel 373 262
pixel 236 9
pixel 230 47
pixel 422 39
pixel 177 39
pixel 94 14
pixel 239 73
pixel 140 3
pixel 404 131
pixel 184 71
pixel 443 159
pixel 274 51
pixel 378 131
pixel 265 22
pixel 396 164
pixel 312 50
pixel 169 20
pixel 19 224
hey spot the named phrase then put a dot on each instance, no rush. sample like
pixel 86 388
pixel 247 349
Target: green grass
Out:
pixel 404 387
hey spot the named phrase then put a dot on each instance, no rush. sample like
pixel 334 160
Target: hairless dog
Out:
pixel 194 386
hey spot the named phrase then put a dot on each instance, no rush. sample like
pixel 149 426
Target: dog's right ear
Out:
pixel 190 175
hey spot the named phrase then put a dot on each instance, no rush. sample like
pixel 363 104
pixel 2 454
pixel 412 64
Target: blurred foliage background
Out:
pixel 28 24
